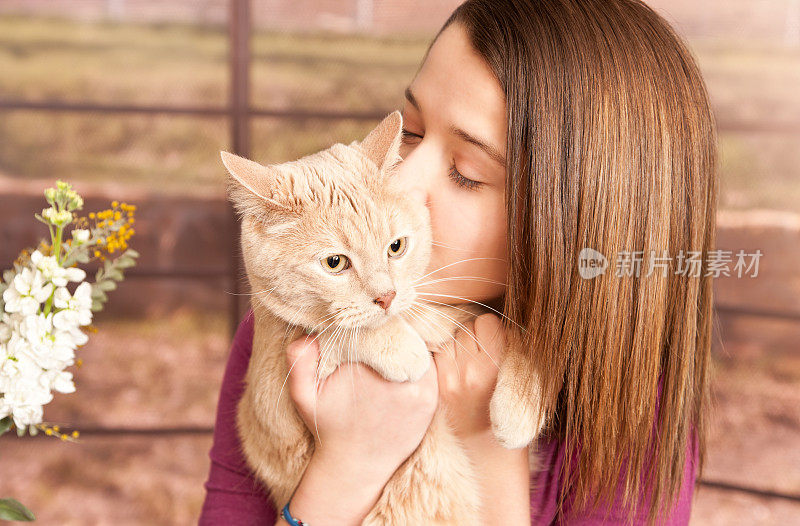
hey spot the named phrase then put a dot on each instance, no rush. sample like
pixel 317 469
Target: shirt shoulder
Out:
pixel 547 465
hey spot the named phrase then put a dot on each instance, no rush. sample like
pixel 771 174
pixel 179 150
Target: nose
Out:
pixel 385 299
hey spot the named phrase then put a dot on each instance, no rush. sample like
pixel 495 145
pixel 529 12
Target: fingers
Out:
pixel 491 335
pixel 480 344
pixel 302 356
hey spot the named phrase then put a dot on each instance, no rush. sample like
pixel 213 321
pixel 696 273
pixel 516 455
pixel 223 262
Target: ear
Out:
pixel 382 144
pixel 252 186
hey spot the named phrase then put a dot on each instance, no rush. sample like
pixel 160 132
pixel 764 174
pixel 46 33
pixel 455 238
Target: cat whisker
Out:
pixel 474 278
pixel 290 323
pixel 438 244
pixel 324 354
pixel 295 361
pixel 353 334
pixel 450 265
pixel 464 328
pixel 250 293
pixel 471 301
pixel 335 342
pixel 422 319
pixel 338 312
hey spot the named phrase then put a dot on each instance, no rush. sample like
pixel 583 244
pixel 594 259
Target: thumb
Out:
pixel 302 356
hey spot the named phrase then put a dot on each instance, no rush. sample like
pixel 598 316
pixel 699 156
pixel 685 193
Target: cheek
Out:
pixel 470 227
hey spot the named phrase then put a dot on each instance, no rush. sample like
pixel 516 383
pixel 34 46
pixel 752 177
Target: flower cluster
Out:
pixel 36 347
pixel 42 322
pixel 117 240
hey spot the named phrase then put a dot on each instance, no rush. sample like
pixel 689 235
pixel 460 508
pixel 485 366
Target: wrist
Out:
pixel 335 492
pixel 503 477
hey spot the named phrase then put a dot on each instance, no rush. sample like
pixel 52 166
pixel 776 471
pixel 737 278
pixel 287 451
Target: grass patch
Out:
pixel 181 65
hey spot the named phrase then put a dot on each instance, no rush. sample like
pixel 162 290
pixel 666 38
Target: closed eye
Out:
pixel 456 176
pixel 410 135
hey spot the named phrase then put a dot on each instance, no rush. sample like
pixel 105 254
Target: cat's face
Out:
pixel 328 240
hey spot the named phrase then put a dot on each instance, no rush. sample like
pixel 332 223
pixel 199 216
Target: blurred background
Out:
pixel 133 99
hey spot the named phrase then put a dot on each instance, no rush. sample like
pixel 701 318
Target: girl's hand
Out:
pixel 467 375
pixel 467 370
pixel 364 427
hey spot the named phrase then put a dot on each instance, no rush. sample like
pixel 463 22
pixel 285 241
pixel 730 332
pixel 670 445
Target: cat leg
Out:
pixel 437 324
pixel 394 350
pixel 435 485
pixel 513 409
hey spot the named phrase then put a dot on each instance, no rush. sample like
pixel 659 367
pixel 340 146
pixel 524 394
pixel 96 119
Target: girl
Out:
pixel 566 151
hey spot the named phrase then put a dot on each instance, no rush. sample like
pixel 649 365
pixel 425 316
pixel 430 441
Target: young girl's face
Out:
pixel 454 149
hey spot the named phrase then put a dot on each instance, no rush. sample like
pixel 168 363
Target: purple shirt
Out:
pixel 234 496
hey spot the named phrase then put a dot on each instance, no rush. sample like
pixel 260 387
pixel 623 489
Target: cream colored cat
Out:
pixel 332 246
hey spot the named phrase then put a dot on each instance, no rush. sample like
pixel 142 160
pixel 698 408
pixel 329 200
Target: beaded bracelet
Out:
pixel 291 520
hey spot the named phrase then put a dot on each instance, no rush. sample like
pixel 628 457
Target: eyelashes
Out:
pixel 462 181
pixel 455 175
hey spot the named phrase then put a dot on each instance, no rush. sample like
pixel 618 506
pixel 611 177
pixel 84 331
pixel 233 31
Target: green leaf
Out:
pixel 116 274
pixel 125 262
pixel 13 510
pixel 107 285
pixel 131 252
pixel 5 424
pixel 96 306
pixel 82 257
pixel 98 294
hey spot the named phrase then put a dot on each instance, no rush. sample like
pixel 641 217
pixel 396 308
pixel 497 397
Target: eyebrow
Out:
pixel 490 150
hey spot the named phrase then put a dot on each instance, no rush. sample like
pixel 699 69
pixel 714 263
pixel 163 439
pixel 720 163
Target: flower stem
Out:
pixel 57 244
pixel 49 304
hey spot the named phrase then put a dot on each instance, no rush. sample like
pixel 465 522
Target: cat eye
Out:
pixel 335 264
pixel 398 247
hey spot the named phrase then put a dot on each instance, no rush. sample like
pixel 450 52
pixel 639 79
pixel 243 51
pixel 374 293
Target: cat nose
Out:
pixel 386 299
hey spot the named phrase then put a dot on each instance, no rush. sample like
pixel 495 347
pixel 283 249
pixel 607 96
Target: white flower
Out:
pixel 13 367
pixel 5 332
pixel 50 348
pixel 78 307
pixel 60 381
pixel 80 235
pixel 25 400
pixel 56 217
pixel 54 272
pixel 26 292
pixel 9 324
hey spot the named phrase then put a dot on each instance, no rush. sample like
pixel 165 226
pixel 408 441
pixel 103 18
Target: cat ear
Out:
pixel 382 144
pixel 252 185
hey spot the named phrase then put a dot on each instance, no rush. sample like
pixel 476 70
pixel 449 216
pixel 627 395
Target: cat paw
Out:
pixel 515 419
pixel 325 368
pixel 406 364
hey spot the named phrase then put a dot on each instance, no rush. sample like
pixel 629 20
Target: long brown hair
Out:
pixel 612 146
